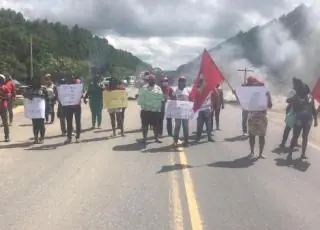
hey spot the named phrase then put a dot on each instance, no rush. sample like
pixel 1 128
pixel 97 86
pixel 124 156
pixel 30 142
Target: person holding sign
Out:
pixel 150 99
pixel 116 113
pixel 37 91
pixel 257 120
pixel 71 111
pixel 60 112
pixel 4 97
pixel 181 94
pixel 94 93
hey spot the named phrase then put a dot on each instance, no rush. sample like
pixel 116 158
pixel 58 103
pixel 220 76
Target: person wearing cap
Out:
pixel 95 95
pixel 181 94
pixel 167 92
pixel 11 86
pixel 150 108
pixel 4 98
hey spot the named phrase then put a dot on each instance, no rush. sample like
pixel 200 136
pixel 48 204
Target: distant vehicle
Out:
pixel 20 87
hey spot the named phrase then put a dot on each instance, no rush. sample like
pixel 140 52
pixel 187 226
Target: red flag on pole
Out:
pixel 211 76
pixel 316 91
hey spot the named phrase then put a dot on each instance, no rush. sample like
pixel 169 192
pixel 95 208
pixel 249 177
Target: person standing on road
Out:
pixel 304 107
pixel 50 103
pixel 95 94
pixel 167 92
pixel 205 114
pixel 120 119
pixel 4 98
pixel 290 114
pixel 60 112
pixel 116 113
pixel 217 107
pixel 181 94
pixel 70 112
pixel 258 122
pixel 150 111
pixel 39 91
pixel 11 86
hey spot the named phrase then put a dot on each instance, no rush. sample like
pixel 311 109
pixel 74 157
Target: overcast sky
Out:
pixel 164 33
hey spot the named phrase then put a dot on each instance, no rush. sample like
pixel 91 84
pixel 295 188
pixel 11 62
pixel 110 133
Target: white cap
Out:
pixel 2 76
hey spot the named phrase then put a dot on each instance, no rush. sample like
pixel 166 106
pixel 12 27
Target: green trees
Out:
pixel 57 49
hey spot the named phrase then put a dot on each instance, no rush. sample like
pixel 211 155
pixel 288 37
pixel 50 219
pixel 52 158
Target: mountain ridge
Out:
pixel 278 50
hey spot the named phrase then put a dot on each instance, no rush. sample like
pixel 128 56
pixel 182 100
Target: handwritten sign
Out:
pixel 115 99
pixel 70 94
pixel 35 108
pixel 180 110
pixel 150 101
pixel 253 98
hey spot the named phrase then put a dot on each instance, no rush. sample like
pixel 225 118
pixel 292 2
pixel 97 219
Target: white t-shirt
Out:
pixel 206 104
pixel 182 95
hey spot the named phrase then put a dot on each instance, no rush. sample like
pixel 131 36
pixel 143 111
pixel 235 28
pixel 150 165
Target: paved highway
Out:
pixel 112 183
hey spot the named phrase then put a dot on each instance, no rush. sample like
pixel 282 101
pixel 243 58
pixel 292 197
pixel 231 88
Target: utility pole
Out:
pixel 31 57
pixel 245 74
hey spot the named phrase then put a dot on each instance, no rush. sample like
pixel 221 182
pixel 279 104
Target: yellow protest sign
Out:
pixel 115 99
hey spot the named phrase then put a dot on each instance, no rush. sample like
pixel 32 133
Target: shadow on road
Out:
pixel 103 131
pixel 96 139
pixel 17 145
pixel 281 150
pixel 25 125
pixel 46 147
pixel 164 149
pixel 297 164
pixel 237 138
pixel 137 146
pixel 175 167
pixel 244 162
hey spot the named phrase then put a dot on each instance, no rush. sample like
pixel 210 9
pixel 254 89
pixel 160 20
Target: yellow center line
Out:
pixel 196 221
pixel 175 199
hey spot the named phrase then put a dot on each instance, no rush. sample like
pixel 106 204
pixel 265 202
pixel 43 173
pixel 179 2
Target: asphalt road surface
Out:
pixel 112 183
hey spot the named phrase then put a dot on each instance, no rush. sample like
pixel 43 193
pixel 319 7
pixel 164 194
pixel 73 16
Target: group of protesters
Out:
pixel 153 116
pixel 300 113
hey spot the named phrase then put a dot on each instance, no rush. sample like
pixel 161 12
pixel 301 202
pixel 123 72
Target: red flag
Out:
pixel 316 91
pixel 211 76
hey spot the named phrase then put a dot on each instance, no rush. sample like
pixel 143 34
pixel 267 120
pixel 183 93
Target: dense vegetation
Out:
pixel 58 49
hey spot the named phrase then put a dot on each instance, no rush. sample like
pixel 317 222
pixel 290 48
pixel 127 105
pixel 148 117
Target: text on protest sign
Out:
pixel 115 99
pixel 180 110
pixel 150 100
pixel 35 108
pixel 70 94
pixel 253 98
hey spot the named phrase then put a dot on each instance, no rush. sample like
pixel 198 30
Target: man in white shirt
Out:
pixel 204 117
pixel 181 94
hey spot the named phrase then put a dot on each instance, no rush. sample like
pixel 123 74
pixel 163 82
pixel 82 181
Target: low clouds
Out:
pixel 164 33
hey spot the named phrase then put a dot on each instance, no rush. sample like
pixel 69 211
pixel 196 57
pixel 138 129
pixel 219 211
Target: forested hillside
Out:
pixel 57 49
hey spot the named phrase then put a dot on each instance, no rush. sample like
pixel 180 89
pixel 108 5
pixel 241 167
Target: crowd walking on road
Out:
pixel 153 98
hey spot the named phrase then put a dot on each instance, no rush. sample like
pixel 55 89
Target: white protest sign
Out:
pixel 70 94
pixel 180 110
pixel 253 98
pixel 35 108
